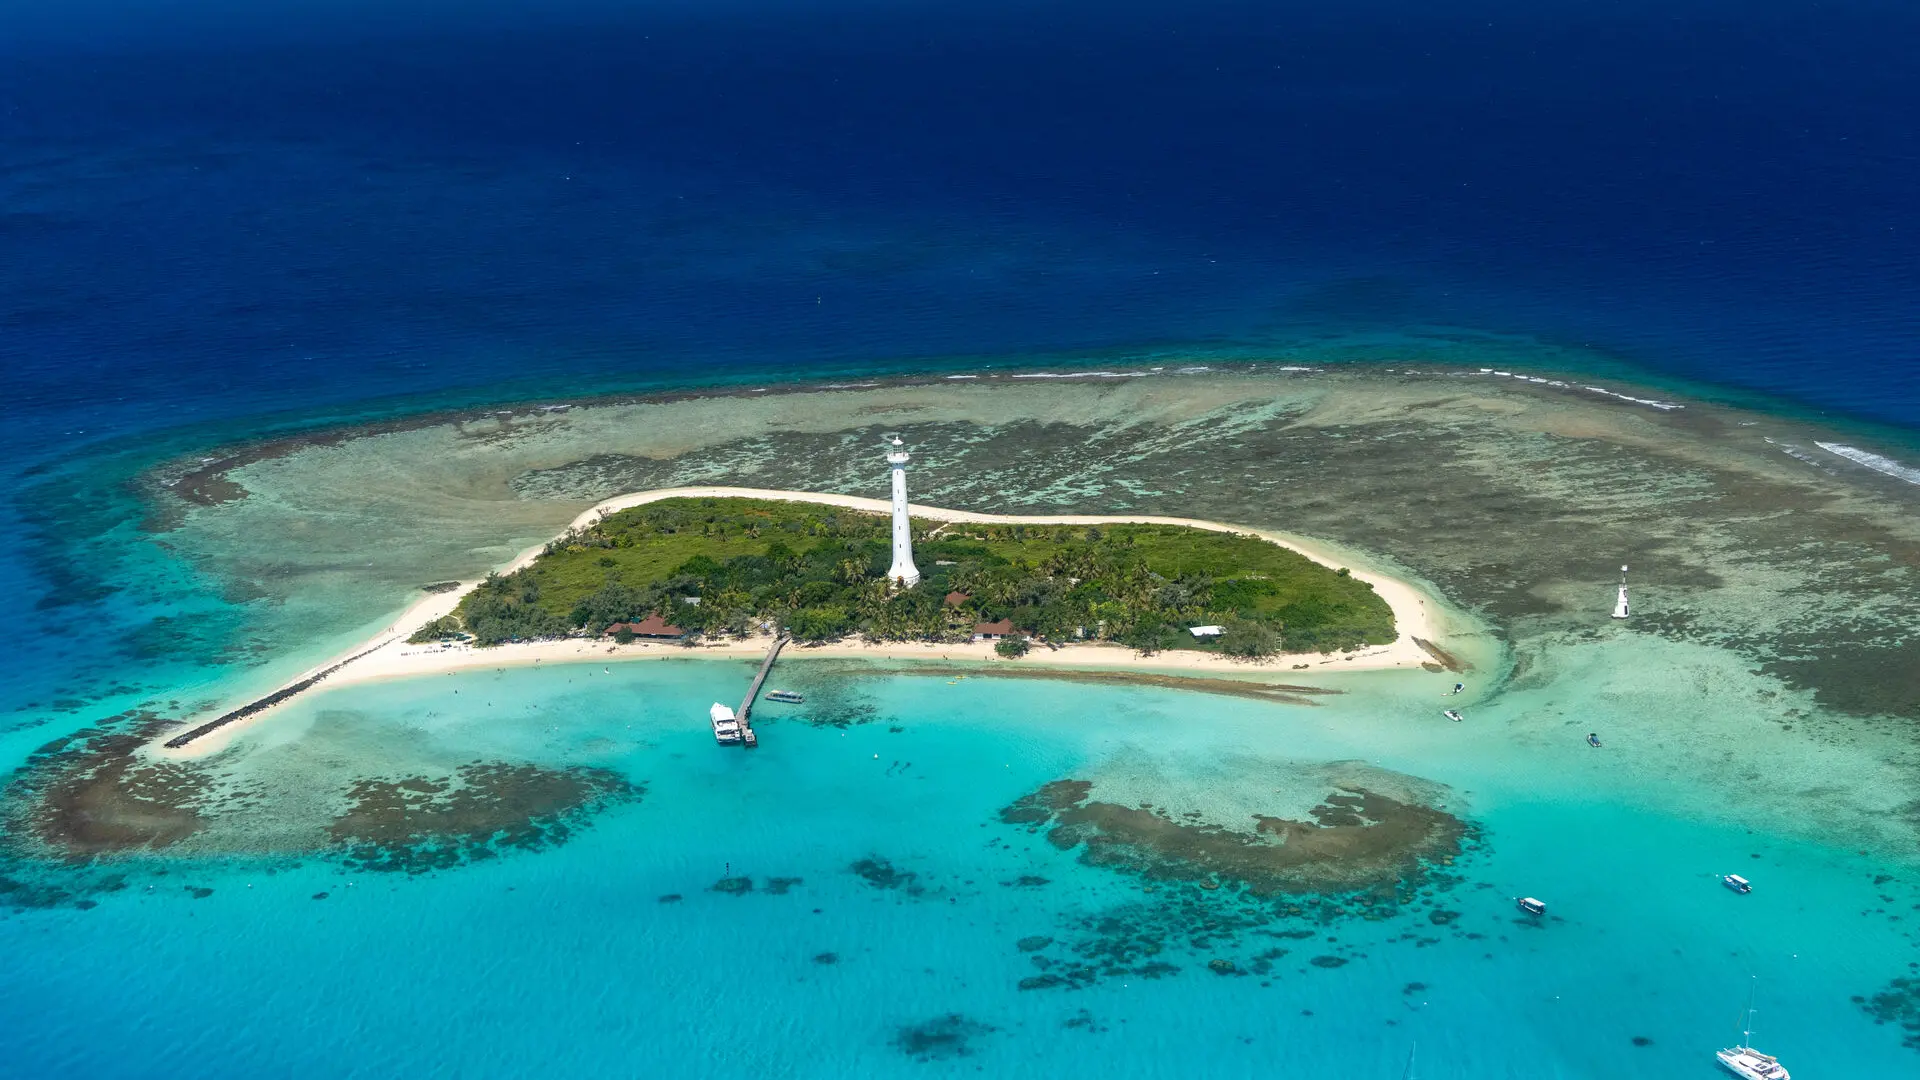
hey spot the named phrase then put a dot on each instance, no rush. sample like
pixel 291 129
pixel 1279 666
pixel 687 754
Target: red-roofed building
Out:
pixel 956 598
pixel 992 631
pixel 652 626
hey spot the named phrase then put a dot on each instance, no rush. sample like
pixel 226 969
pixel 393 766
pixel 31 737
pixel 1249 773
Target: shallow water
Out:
pixel 1755 706
pixel 570 959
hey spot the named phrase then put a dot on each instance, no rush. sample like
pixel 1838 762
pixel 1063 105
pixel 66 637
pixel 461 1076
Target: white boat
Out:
pixel 1737 883
pixel 726 728
pixel 1452 714
pixel 787 696
pixel 1620 604
pixel 1752 1064
pixel 1743 1060
pixel 1531 906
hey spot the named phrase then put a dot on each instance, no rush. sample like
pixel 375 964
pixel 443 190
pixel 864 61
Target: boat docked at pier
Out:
pixel 726 727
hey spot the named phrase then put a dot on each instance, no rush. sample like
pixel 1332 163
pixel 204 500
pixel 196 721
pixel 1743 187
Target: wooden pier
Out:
pixel 745 715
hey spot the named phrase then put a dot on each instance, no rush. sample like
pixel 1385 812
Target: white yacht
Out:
pixel 1752 1064
pixel 1743 1060
pixel 726 728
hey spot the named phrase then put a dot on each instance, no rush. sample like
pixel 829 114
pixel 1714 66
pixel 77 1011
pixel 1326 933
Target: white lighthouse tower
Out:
pixel 903 573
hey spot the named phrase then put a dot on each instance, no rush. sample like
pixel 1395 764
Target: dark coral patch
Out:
pixel 881 874
pixel 778 886
pixel 89 794
pixel 1356 839
pixel 941 1038
pixel 1898 1004
pixel 733 886
pixel 416 824
pixel 1084 1021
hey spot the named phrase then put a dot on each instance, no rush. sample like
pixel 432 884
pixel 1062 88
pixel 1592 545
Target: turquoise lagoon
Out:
pixel 892 915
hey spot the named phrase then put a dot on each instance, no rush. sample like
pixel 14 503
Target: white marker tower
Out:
pixel 1620 605
pixel 904 573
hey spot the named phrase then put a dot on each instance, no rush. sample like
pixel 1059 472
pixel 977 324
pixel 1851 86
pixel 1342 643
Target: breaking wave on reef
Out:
pixel 1872 461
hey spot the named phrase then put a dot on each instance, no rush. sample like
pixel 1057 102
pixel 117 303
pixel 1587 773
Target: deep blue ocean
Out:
pixel 215 212
pixel 219 218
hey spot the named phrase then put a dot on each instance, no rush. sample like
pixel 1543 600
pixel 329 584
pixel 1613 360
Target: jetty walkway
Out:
pixel 745 715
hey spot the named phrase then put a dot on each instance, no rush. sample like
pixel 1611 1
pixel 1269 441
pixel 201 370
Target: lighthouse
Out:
pixel 903 573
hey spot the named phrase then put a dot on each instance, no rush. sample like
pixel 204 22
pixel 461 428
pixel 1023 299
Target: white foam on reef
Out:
pixel 1872 461
pixel 1798 454
pixel 950 378
pixel 1636 400
pixel 1537 380
pixel 1086 375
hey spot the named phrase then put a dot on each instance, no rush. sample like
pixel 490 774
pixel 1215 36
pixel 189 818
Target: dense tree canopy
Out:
pixel 737 566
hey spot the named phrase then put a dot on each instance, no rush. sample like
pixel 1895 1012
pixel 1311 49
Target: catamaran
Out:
pixel 1743 1060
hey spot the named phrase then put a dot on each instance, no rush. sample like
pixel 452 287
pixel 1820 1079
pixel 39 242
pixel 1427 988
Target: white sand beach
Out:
pixel 389 655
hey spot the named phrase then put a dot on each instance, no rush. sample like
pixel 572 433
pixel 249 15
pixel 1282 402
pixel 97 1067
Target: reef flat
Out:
pixel 1517 498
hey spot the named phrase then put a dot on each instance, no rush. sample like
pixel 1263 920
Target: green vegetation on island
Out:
pixel 726 566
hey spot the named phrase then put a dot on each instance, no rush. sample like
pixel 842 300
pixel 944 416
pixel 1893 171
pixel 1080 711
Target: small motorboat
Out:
pixel 787 697
pixel 1459 686
pixel 1737 883
pixel 1593 738
pixel 726 727
pixel 1531 906
pixel 1452 714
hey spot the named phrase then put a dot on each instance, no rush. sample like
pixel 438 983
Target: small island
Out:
pixel 734 570
pixel 711 568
